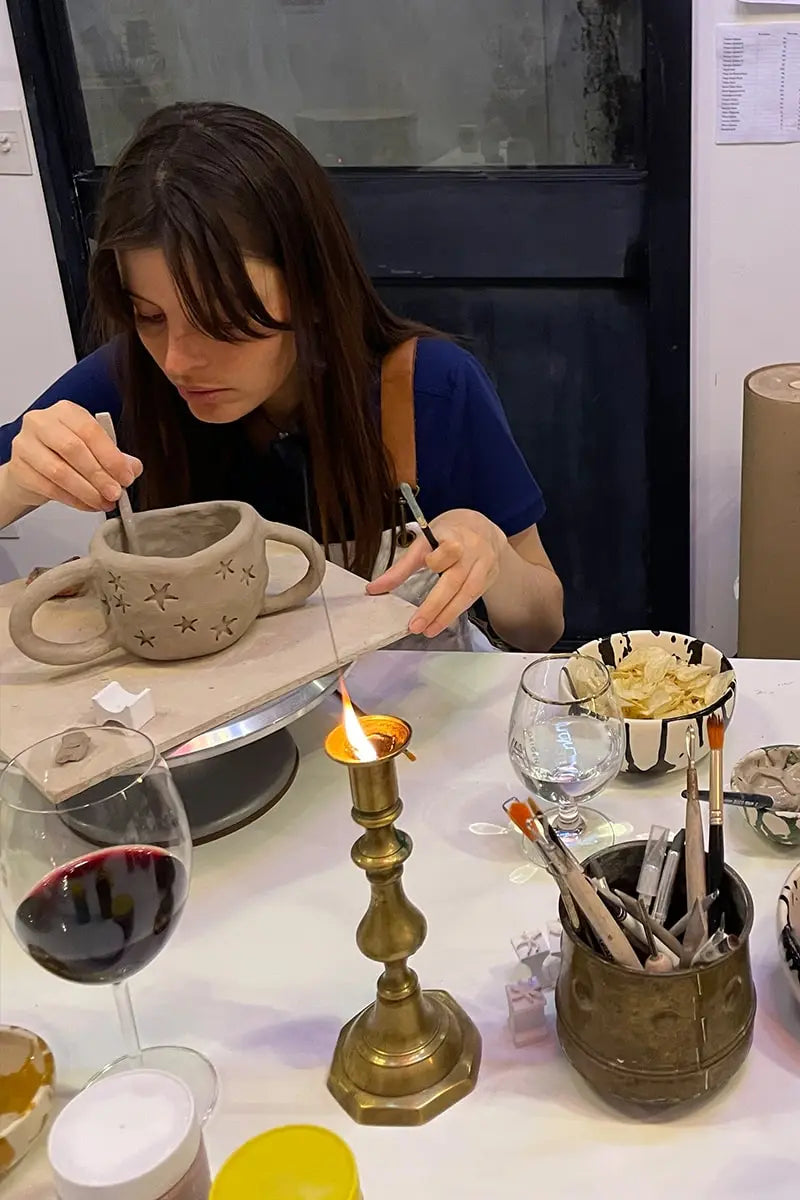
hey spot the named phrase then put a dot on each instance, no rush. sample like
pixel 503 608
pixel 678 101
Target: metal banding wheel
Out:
pixel 229 775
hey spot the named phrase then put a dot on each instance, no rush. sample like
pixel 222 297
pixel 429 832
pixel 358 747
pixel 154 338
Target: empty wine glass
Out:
pixel 566 742
pixel 93 880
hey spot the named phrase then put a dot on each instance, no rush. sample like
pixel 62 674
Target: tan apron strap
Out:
pixel 397 411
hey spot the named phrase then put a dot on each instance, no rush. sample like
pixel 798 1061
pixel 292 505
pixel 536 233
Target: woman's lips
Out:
pixel 202 395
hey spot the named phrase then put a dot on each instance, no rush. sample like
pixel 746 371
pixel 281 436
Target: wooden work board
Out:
pixel 279 653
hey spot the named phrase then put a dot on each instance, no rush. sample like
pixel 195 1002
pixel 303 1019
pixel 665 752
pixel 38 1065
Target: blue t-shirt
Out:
pixel 466 455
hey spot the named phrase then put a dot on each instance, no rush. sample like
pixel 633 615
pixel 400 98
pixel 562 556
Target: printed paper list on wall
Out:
pixel 758 83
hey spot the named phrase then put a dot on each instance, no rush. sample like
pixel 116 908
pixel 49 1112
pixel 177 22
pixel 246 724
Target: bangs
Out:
pixel 207 263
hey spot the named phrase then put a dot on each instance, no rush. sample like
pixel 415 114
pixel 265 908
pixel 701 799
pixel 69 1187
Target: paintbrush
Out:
pixel 716 810
pixel 550 857
pixel 418 515
pixel 756 800
pixel 603 925
pixel 695 851
pixel 124 505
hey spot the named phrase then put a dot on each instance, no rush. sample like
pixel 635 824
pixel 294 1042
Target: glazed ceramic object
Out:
pixel 197 587
pixel 26 1092
pixel 653 747
pixel 788 922
pixel 781 828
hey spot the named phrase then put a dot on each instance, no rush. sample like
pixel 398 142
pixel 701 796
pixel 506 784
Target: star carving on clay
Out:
pixel 121 602
pixel 187 624
pixel 145 639
pixel 161 595
pixel 225 568
pixel 225 626
pixel 115 581
pixel 105 604
pixel 248 576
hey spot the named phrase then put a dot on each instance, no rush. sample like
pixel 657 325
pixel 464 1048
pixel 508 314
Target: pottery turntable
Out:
pixel 223 720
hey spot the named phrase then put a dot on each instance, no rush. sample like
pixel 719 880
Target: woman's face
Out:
pixel 220 381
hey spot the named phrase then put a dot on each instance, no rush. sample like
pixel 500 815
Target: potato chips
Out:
pixel 653 684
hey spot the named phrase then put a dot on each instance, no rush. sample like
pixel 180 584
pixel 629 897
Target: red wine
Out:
pixel 103 917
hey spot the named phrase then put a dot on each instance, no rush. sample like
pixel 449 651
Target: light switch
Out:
pixel 14 156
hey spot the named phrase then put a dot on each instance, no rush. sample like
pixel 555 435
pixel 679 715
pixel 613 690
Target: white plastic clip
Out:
pixel 129 708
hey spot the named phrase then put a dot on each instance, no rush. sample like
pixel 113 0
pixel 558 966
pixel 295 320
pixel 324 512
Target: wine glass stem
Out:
pixel 130 1034
pixel 569 818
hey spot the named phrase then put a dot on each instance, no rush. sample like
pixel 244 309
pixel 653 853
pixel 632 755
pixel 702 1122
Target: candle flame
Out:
pixel 360 744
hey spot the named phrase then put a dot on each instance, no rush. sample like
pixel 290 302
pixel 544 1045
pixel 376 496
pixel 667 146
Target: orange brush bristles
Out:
pixel 716 732
pixel 520 814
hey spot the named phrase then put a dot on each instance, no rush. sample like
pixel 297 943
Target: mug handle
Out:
pixel 313 577
pixel 20 619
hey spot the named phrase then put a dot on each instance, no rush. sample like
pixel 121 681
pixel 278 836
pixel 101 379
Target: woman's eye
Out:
pixel 148 318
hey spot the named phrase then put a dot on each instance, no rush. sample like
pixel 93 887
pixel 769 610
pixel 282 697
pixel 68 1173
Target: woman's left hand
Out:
pixel 468 561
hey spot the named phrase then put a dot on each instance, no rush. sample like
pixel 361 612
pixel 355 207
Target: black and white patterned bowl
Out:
pixel 653 747
pixel 788 929
pixel 776 828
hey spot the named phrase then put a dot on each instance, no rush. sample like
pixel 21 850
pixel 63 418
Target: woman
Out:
pixel 242 357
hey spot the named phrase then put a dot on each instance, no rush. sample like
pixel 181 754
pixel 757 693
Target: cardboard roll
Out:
pixel 769 565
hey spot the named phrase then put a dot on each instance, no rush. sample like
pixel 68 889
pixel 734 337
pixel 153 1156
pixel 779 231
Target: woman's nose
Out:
pixel 186 353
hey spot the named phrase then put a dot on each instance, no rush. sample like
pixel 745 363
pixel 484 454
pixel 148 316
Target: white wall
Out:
pixel 35 343
pixel 746 312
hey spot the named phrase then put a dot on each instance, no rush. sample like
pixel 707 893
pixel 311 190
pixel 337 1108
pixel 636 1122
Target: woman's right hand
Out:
pixel 61 453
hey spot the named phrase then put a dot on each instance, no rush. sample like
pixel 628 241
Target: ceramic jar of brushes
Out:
pixel 197 586
pixel 651 1041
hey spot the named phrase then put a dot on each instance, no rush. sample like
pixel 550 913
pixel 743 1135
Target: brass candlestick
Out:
pixel 411 1054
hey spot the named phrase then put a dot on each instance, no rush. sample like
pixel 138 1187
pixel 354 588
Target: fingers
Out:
pixel 456 592
pixel 63 454
pixel 413 560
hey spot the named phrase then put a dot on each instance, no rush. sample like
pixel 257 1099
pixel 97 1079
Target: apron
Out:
pixel 398 433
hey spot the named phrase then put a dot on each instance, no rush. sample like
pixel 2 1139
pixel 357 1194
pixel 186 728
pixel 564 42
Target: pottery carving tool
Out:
pixel 125 511
pixel 657 963
pixel 696 934
pixel 418 515
pixel 602 923
pixel 679 928
pixel 716 810
pixel 695 852
pixel 652 864
pixel 666 942
pixel 666 883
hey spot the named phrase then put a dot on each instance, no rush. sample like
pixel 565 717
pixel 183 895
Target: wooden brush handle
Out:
pixel 695 856
pixel 603 924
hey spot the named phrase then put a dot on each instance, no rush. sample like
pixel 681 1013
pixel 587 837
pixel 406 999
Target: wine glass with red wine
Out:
pixel 93 879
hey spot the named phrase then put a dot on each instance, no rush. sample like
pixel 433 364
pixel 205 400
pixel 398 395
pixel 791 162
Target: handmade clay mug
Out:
pixel 197 587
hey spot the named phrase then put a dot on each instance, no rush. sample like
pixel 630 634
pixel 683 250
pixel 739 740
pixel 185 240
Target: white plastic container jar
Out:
pixel 131 1136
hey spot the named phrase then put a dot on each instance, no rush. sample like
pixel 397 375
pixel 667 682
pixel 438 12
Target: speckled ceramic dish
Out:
pixel 781 827
pixel 788 922
pixel 653 747
pixel 26 1092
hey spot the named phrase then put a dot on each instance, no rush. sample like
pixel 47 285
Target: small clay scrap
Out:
pixel 77 589
pixel 73 748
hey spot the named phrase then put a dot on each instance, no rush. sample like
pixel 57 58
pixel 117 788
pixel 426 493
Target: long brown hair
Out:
pixel 210 184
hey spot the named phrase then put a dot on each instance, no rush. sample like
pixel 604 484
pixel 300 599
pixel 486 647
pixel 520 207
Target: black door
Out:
pixel 517 173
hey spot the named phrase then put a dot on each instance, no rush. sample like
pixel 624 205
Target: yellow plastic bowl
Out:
pixel 295 1162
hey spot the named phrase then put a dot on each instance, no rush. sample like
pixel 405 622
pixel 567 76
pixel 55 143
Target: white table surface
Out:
pixel 263 969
